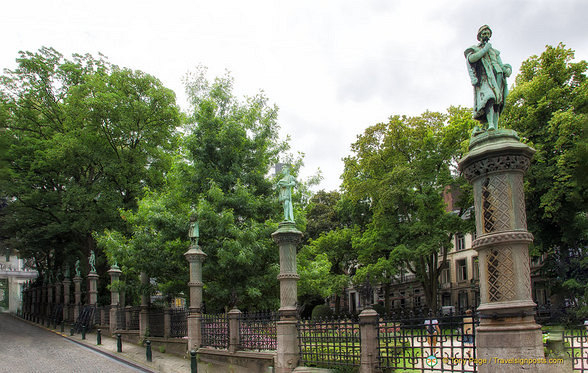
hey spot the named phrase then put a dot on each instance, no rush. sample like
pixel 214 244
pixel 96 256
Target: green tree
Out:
pixel 83 138
pixel 325 264
pixel 401 169
pixel 222 174
pixel 549 107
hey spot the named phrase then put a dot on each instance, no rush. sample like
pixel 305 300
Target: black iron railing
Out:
pixel 178 322
pixel 257 331
pixel 134 322
pixel 156 322
pixel 120 318
pixel 428 343
pixel 576 344
pixel 329 342
pixel 215 331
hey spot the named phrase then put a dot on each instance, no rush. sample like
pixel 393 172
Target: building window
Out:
pixel 462 270
pixel 476 267
pixel 459 242
pixel 445 276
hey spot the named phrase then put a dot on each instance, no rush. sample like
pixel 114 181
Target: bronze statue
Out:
pixel 286 183
pixel 194 232
pixel 488 76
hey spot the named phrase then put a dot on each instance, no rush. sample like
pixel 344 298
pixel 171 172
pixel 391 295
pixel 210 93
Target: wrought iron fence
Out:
pixel 120 318
pixel 576 344
pixel 442 344
pixel 85 319
pixel 178 322
pixel 57 314
pixel 329 342
pixel 134 322
pixel 98 316
pixel 106 318
pixel 215 331
pixel 156 322
pixel 257 331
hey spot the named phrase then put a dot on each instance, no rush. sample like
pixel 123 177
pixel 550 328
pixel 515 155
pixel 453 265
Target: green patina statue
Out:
pixel 194 232
pixel 488 75
pixel 92 261
pixel 78 274
pixel 286 183
pixel 66 274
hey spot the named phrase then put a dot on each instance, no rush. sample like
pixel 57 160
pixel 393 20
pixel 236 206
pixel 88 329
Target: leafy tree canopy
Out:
pixel 82 138
pixel 401 169
pixel 549 107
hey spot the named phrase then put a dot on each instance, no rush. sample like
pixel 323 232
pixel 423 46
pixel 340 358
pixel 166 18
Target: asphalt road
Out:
pixel 27 348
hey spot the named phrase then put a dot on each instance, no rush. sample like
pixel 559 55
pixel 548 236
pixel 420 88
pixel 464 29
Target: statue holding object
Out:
pixel 488 76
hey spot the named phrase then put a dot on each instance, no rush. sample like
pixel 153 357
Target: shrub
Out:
pixel 321 311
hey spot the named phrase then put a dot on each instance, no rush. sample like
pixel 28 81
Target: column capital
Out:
pixel 494 151
pixel 195 254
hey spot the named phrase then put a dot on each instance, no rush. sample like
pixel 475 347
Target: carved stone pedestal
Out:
pixel 287 237
pixel 495 166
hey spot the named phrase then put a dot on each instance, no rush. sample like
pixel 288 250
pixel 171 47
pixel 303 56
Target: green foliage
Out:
pixel 401 169
pixel 321 311
pixel 219 173
pixel 81 139
pixel 549 108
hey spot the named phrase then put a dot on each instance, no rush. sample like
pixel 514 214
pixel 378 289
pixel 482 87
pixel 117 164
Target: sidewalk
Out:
pixel 132 354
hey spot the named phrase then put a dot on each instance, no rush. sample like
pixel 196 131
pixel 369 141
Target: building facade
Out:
pixel 13 276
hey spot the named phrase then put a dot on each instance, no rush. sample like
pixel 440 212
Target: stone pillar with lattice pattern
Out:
pixel 287 237
pixel 495 166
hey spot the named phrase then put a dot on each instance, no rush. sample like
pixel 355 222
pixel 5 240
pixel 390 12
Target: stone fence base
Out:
pixel 219 361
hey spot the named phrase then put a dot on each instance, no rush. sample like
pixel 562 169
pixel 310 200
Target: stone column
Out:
pixel 166 322
pixel 368 328
pixel 77 296
pixel 92 288
pixel 49 302
pixel 144 313
pixel 287 237
pixel 195 256
pixel 57 292
pixel 234 341
pixel 35 309
pixel 495 166
pixel 66 298
pixel 114 273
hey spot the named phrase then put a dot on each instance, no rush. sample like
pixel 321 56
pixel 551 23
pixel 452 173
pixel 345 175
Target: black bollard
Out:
pixel 98 337
pixel 118 343
pixel 148 354
pixel 193 362
pixel 83 332
pixel 71 331
pixel 62 326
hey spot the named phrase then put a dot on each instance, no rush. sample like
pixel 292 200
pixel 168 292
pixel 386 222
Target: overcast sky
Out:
pixel 332 67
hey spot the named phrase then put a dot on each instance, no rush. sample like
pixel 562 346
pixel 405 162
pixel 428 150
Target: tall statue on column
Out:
pixel 194 232
pixel 488 76
pixel 286 183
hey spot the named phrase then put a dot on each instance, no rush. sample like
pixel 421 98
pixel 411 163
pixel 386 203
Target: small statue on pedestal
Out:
pixel 286 183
